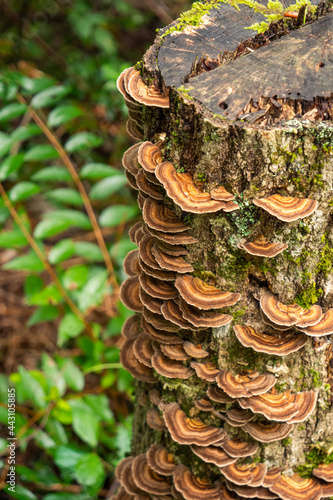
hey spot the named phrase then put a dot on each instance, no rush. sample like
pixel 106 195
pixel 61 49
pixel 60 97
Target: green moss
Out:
pixel 245 217
pixel 287 442
pixel 201 177
pixel 325 263
pixel 309 296
pixel 318 455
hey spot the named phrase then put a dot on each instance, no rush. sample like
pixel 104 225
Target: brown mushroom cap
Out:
pixel 149 156
pixel 122 495
pixel 221 194
pixel 131 327
pixel 159 335
pixel 134 130
pixel 250 384
pixel 122 466
pixel 145 250
pixel 132 231
pixel 263 249
pixel 323 327
pixel 327 489
pixel 131 181
pixel 159 322
pixel 204 404
pixel 267 321
pixel 246 474
pixel 143 349
pixel 266 432
pixel 203 296
pixel 123 90
pixel 157 288
pixel 205 319
pixel 170 368
pixel 131 263
pixel 129 294
pixel 213 455
pixel 216 394
pixel 195 351
pixel 125 476
pixel 159 274
pixel 150 96
pixel 173 250
pixel 162 218
pixel 325 472
pixel 286 208
pixel 174 351
pixel 194 488
pixel 183 191
pixel 288 315
pixel 171 312
pixel 148 187
pixel 205 371
pixel 182 238
pixel 237 448
pixel 160 460
pixel 249 492
pixel 229 495
pixel 155 420
pixel 282 407
pixel 147 479
pixel 273 475
pixel 297 488
pixel 280 345
pixel 186 430
pixel 141 197
pixel 154 305
pixel 130 362
pixel 238 417
pixel 171 262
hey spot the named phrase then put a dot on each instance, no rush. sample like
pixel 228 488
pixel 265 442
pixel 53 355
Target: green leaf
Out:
pixel 73 375
pixel 88 250
pixel 6 143
pixel 75 277
pixel 33 85
pixel 89 471
pixel 43 314
pixel 10 239
pixel 41 152
pixel 59 220
pixel 82 140
pixel 32 285
pixel 49 96
pixel 62 250
pixel 32 387
pixel 93 291
pixel 117 214
pixel 63 114
pixel 21 493
pixel 65 195
pixel 47 228
pixel 10 165
pixel 23 190
pixel 123 440
pixel 66 457
pixel 64 496
pixel 52 174
pixel 50 295
pixel 95 171
pixel 120 249
pixel 70 326
pixel 26 132
pixel 106 187
pixel 54 375
pixel 85 423
pixel 28 262
pixel 75 217
pixel 12 110
pixel 101 406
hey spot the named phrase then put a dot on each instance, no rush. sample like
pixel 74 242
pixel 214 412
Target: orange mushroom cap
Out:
pixel 129 294
pixel 157 288
pixel 297 488
pixel 213 455
pixel 170 368
pixel 266 432
pixel 195 351
pixel 155 420
pixel 147 479
pixel 173 238
pixel 205 371
pixel 237 448
pixel 162 218
pixel 216 394
pixel 171 312
pixel 186 430
pixel 203 296
pixel 149 156
pixel 263 249
pixel 160 335
pixel 325 472
pixel 131 263
pixel 247 474
pixel 288 315
pixel 205 319
pixel 122 88
pixel 221 194
pixel 150 96
pixel 183 191
pixel 250 384
pixel 148 187
pixel 132 364
pixel 286 208
pixel 160 460
pixel 268 343
pixel 194 488
pixel 323 327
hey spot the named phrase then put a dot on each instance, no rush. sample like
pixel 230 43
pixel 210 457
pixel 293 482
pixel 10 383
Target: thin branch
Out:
pixel 91 214
pixel 45 263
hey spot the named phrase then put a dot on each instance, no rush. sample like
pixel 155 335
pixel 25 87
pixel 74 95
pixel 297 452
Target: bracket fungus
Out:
pixel 131 263
pixel 171 263
pixel 266 432
pixel 214 455
pixel 221 194
pixel 238 417
pixel 148 187
pixel 324 471
pixel 131 327
pixel 160 460
pixel 204 319
pixel 159 322
pixel 194 488
pixel 323 327
pixel 247 474
pixel 286 208
pixel 159 274
pixel 195 351
pixel 266 249
pixel 247 385
pixel 257 492
pixel 186 430
pixel 129 294
pixel 289 315
pixel 204 404
pixel 157 288
pixel 159 335
pixel 130 362
pixel 216 394
pixel 155 420
pixel 162 218
pixel 147 479
pixel 203 296
pixel 206 371
pixel 143 349
pixel 280 345
pixel 154 305
pixel 174 351
pixel 173 238
pixel 237 448
pixel 122 88
pixel 171 312
pixel 149 96
pixel 182 190
pixel 173 250
pixel 170 368
pixel 130 159
pixel 149 156
pixel 297 488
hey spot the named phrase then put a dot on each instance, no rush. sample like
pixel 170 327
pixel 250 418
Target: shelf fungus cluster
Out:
pixel 232 414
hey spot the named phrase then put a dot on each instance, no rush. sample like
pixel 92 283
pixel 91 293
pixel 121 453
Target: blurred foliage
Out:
pixel 60 109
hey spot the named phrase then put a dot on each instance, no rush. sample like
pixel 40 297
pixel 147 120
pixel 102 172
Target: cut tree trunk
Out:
pixel 252 114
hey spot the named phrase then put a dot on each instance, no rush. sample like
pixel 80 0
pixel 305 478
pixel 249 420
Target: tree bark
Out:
pixel 253 114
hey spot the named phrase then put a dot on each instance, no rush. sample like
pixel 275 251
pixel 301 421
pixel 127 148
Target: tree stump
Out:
pixel 232 283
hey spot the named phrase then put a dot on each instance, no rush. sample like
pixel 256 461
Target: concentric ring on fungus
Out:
pixel 286 208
